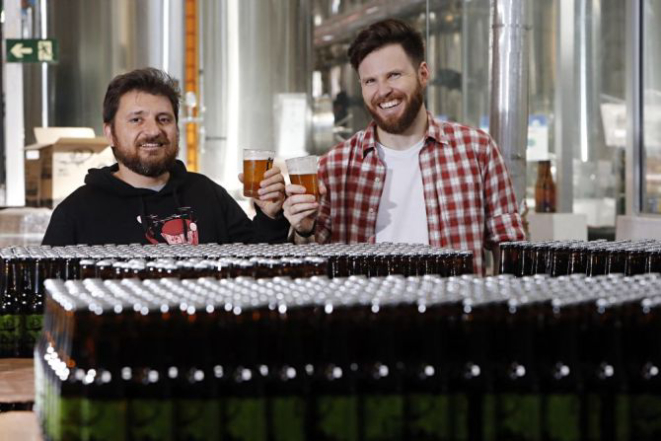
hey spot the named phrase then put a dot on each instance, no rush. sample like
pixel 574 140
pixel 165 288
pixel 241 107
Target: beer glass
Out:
pixel 303 171
pixel 255 164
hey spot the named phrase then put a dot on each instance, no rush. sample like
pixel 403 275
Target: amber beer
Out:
pixel 303 171
pixel 255 164
pixel 308 181
pixel 544 189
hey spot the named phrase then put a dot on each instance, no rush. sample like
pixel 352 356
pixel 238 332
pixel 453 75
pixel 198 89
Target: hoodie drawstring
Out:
pixel 143 215
pixel 183 220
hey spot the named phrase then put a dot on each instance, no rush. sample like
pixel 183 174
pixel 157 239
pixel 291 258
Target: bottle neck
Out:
pixel 544 169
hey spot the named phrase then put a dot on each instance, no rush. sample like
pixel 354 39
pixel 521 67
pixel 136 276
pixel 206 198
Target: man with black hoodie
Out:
pixel 148 196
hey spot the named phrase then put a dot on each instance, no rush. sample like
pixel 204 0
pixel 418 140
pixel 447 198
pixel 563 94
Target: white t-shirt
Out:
pixel 402 215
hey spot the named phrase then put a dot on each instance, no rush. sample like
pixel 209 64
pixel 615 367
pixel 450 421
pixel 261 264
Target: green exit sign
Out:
pixel 32 51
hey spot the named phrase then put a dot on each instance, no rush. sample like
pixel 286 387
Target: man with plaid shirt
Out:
pixel 407 177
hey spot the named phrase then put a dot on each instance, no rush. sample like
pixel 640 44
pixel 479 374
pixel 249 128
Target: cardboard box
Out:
pixel 57 164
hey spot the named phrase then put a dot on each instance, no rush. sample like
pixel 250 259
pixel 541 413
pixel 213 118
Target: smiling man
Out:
pixel 407 177
pixel 149 196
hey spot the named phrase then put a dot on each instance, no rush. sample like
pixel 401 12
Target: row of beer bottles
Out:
pixel 22 276
pixel 578 257
pixel 216 251
pixel 495 358
pixel 21 310
pixel 24 273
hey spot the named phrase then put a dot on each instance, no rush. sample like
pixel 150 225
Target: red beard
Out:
pixel 398 125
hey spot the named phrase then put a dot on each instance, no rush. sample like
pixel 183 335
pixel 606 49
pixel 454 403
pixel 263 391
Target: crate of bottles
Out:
pixel 594 258
pixel 383 358
pixel 23 270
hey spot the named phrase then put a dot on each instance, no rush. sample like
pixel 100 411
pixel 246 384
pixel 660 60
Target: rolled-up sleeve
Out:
pixel 503 221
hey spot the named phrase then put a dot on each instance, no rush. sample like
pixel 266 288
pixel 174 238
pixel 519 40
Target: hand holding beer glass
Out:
pixel 255 164
pixel 262 182
pixel 303 194
pixel 303 171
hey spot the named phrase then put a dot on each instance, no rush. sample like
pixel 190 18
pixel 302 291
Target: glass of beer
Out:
pixel 303 171
pixel 255 164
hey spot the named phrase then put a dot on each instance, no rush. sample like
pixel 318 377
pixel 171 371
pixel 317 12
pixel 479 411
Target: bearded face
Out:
pixel 392 86
pixel 144 134
pixel 149 156
pixel 396 123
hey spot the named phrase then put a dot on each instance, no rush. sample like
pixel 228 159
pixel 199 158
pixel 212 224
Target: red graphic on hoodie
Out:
pixel 173 232
pixel 180 228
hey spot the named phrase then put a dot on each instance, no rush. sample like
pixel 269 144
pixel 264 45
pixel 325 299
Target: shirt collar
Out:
pixel 434 131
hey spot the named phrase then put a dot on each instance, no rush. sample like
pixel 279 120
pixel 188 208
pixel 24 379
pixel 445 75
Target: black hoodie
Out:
pixel 108 210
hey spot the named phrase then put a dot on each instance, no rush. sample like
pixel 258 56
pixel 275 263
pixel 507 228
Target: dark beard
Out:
pixel 149 168
pixel 401 124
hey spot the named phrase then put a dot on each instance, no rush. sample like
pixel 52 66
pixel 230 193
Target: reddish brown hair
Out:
pixel 383 33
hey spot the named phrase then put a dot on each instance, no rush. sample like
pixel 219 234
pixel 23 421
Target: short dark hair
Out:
pixel 149 80
pixel 383 33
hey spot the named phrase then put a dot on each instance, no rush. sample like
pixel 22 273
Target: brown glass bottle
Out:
pixel 526 262
pixel 509 257
pixel 596 263
pixel 466 267
pixel 10 318
pixel 539 258
pixel 88 268
pixel 634 262
pixel 34 308
pixel 558 366
pixel 653 261
pixel 577 259
pixel 642 325
pixel 544 189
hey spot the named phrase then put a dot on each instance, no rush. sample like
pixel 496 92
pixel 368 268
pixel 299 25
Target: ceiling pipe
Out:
pixel 508 120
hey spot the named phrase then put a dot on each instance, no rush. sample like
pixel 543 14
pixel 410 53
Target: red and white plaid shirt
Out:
pixel 469 197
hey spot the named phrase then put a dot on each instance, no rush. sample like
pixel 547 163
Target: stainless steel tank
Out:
pixel 97 40
pixel 256 64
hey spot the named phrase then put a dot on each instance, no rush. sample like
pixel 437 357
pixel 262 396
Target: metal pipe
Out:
pixel 43 18
pixel 508 121
pixel 14 120
pixel 342 27
pixel 166 35
pixel 634 75
pixel 566 110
